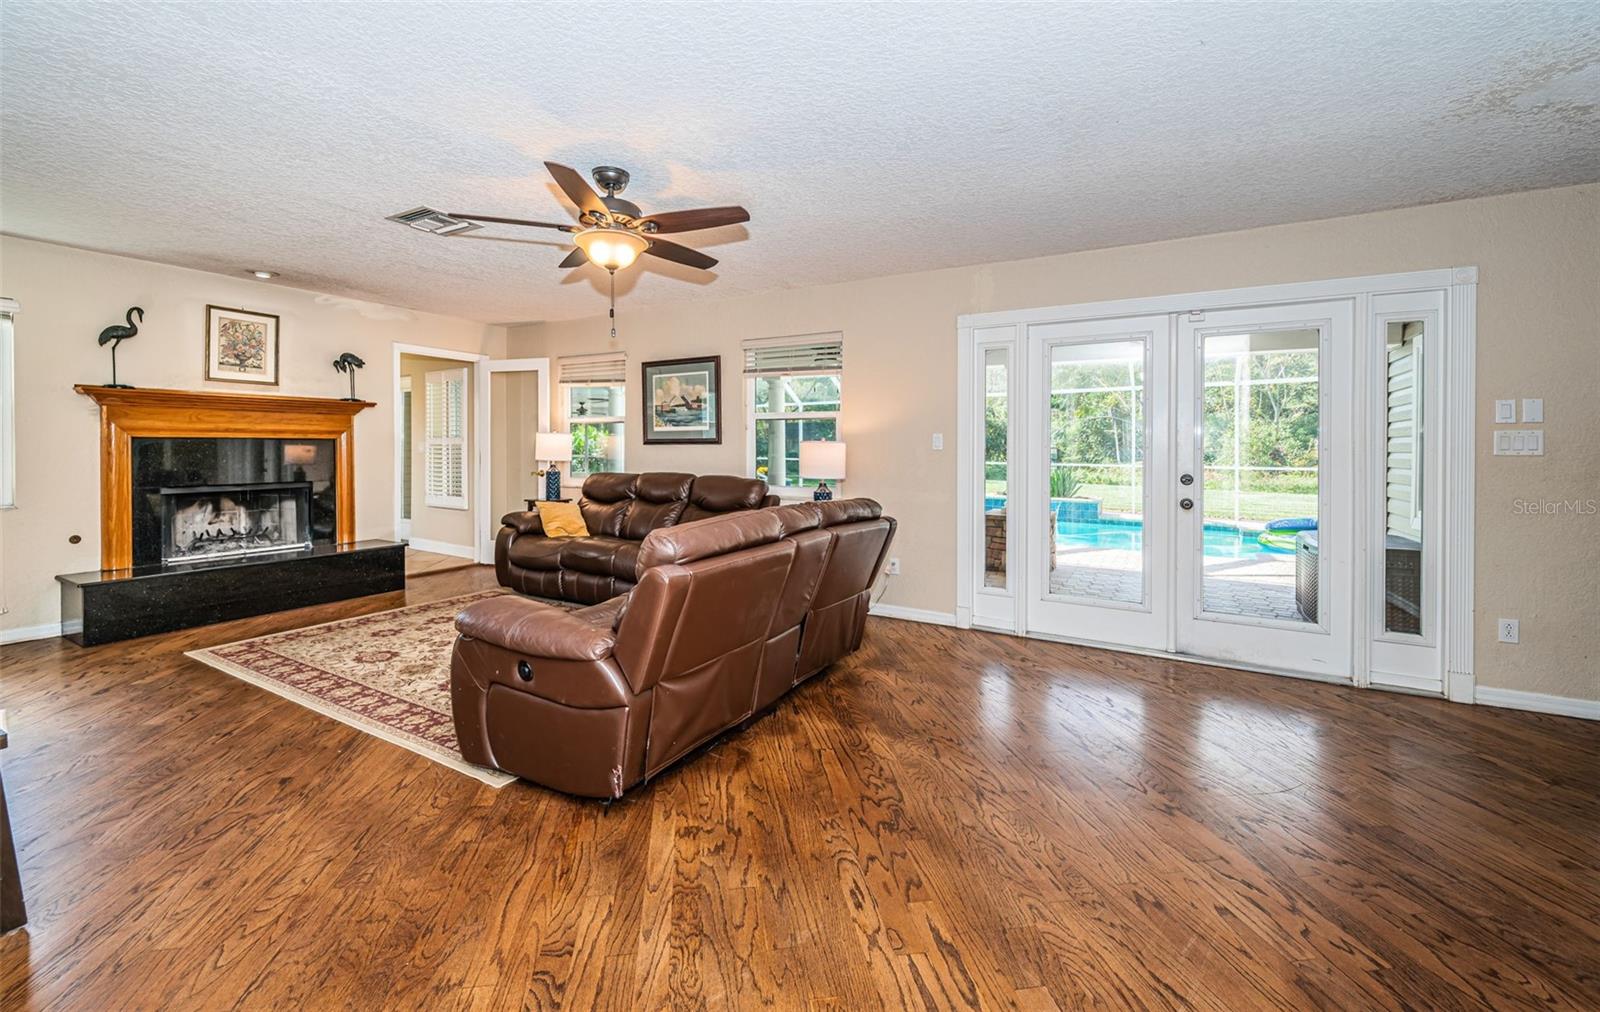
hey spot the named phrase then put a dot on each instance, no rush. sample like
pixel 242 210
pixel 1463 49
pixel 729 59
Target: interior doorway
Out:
pixel 515 407
pixel 436 444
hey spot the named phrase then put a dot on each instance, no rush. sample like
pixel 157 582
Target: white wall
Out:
pixel 1538 307
pixel 68 295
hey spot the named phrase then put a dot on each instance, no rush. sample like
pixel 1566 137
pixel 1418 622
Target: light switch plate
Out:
pixel 938 440
pixel 1519 443
pixel 1505 412
pixel 1533 409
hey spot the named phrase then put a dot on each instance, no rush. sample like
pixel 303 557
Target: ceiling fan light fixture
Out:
pixel 611 248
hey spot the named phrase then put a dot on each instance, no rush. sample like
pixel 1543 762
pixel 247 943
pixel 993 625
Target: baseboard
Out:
pixel 22 634
pixel 442 548
pixel 1538 702
pixel 913 614
pixel 1397 682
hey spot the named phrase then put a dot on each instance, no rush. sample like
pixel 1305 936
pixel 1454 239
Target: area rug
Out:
pixel 387 674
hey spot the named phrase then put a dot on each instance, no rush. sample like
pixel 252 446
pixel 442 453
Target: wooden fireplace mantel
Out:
pixel 129 412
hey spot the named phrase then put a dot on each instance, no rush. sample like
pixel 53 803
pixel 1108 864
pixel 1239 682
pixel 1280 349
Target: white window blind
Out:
pixel 805 353
pixel 1403 457
pixel 445 447
pixel 608 369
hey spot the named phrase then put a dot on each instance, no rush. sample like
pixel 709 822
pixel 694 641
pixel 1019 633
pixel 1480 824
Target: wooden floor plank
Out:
pixel 947 819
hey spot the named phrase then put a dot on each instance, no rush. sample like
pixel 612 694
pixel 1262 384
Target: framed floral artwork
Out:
pixel 683 400
pixel 241 347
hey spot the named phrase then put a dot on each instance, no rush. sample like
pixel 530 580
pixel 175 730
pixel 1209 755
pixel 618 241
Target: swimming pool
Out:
pixel 1079 525
pixel 1221 540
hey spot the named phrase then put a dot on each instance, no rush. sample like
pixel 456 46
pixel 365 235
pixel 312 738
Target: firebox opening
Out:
pixel 221 521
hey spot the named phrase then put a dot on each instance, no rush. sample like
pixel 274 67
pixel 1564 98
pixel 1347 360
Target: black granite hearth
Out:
pixel 101 607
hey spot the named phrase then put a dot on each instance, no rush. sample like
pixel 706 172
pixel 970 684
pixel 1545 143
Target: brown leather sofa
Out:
pixel 728 614
pixel 619 510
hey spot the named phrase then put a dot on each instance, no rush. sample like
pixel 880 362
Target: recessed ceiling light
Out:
pixel 265 275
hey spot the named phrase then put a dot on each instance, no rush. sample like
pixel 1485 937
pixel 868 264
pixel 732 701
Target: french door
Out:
pixel 1279 478
pixel 1263 551
pixel 1097 418
pixel 1183 483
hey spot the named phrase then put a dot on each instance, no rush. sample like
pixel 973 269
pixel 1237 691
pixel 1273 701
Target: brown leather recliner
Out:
pixel 619 510
pixel 593 701
pixel 840 549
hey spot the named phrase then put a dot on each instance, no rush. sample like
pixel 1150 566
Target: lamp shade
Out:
pixel 821 460
pixel 611 248
pixel 554 447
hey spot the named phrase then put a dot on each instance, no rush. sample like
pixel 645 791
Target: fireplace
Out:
pixel 218 506
pixel 196 498
pixel 224 521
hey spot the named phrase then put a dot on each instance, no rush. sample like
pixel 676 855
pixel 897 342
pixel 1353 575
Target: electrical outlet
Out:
pixel 1507 629
pixel 894 566
pixel 938 440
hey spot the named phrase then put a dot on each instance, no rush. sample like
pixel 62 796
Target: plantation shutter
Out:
pixel 608 369
pixel 445 459
pixel 1403 457
pixel 806 353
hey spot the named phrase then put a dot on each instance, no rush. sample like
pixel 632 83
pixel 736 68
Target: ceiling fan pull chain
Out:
pixel 613 304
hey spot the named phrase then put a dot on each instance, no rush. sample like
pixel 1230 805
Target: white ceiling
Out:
pixel 864 139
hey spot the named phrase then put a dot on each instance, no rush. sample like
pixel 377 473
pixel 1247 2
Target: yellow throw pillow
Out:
pixel 562 520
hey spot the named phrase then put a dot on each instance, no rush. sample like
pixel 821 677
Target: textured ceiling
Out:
pixel 865 139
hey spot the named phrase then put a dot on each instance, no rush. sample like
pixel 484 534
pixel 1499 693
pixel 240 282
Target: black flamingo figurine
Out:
pixel 115 336
pixel 349 363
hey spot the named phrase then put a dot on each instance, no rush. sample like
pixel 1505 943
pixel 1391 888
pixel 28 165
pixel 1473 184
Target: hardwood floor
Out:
pixel 946 819
pixel 420 563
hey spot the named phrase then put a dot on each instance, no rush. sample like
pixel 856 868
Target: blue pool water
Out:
pixel 1080 525
pixel 1221 541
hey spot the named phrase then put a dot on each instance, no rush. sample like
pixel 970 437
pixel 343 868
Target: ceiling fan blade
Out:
pixel 576 189
pixel 515 221
pixel 703 217
pixel 680 254
pixel 577 258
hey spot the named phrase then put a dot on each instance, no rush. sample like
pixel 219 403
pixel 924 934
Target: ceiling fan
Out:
pixel 610 232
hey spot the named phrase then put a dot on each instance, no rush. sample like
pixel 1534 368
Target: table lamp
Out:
pixel 554 448
pixel 822 460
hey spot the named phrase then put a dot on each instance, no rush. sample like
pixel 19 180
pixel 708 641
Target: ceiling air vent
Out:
pixel 426 219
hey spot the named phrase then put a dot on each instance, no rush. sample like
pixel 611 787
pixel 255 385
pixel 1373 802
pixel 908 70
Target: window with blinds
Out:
pixel 808 354
pixel 793 393
pixel 609 369
pixel 594 393
pixel 445 439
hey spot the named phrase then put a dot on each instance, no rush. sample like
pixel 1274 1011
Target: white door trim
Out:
pixel 1229 298
pixel 487 524
pixel 1458 438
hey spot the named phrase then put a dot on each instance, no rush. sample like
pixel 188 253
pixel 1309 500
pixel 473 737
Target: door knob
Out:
pixel 1186 479
pixel 1187 504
